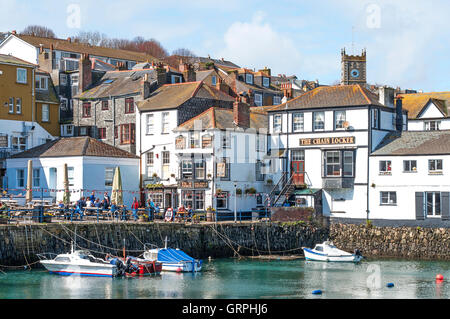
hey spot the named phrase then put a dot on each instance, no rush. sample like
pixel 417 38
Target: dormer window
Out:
pixel 213 80
pixel 266 82
pixel 41 83
pixel 249 78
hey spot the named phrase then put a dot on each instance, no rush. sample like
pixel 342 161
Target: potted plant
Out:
pixel 143 218
pixel 250 190
pixel 47 217
pixel 209 175
pixel 238 191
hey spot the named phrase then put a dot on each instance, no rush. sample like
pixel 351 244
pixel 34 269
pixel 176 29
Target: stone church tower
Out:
pixel 353 68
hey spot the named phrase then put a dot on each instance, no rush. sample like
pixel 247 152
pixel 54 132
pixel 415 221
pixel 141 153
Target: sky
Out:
pixel 407 41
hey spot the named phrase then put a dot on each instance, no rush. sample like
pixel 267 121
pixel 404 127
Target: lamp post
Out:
pixel 235 201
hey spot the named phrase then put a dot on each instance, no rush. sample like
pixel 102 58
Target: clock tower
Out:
pixel 353 68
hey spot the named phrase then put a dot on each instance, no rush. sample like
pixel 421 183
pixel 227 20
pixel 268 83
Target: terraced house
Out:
pixel 28 108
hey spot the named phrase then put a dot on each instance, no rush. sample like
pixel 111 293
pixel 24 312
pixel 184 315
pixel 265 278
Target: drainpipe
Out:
pixel 114 120
pixel 369 150
pixel 33 103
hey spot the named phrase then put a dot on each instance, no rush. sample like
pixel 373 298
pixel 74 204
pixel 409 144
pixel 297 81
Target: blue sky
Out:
pixel 407 42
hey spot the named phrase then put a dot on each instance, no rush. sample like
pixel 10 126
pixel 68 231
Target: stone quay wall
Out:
pixel 393 242
pixel 19 244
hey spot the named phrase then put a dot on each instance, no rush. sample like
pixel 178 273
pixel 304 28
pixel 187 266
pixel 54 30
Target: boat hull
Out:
pixel 80 270
pixel 182 266
pixel 315 256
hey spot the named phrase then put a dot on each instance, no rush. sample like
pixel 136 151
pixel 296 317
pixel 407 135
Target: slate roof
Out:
pixel 221 118
pixel 6 58
pixel 50 95
pixel 117 83
pixel 65 45
pixel 415 102
pixel 414 143
pixel 74 146
pixel 331 96
pixel 201 75
pixel 171 96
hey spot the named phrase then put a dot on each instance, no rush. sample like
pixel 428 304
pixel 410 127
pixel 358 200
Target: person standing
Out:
pixel 152 209
pixel 134 208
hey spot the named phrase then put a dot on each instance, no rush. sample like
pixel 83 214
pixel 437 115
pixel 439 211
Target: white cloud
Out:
pixel 256 44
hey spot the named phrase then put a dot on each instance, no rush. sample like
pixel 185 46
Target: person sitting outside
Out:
pixel 92 197
pixel 114 211
pixel 78 209
pixel 134 208
pixel 107 199
pixel 190 212
pixel 151 208
pixel 180 214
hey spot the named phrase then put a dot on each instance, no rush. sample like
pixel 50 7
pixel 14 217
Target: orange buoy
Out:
pixel 439 277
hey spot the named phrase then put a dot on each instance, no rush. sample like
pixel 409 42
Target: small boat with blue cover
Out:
pixel 173 259
pixel 328 252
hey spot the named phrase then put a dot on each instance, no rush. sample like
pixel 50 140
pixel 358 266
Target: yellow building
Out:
pixel 29 108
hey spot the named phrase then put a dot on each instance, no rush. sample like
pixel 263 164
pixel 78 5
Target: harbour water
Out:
pixel 251 279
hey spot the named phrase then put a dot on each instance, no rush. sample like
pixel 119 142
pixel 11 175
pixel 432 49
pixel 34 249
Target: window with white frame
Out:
pixel 348 165
pixel 258 99
pixel 194 139
pixel 298 124
pixel 339 120
pixel 213 80
pixel 435 166
pixel 62 79
pixel 11 105
pixel 19 143
pixel 266 82
pixel 432 125
pixel 109 176
pixel 223 169
pixel 222 200
pixel 433 203
pixel 388 198
pixel 45 113
pixel 277 123
pixel 385 168
pixel 41 83
pixel 297 155
pixel 18 105
pixel 200 169
pixel 165 122
pixel 410 166
pixel 276 100
pixel 150 159
pixel 333 163
pixel 71 175
pixel 36 177
pixel 249 78
pixel 21 76
pixel 319 121
pixel 149 124
pixel 20 178
pixel 186 169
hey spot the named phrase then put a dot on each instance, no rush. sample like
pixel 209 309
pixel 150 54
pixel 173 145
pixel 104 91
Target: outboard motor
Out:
pixel 119 264
pixel 357 252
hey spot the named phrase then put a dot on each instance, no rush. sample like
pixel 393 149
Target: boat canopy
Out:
pixel 173 255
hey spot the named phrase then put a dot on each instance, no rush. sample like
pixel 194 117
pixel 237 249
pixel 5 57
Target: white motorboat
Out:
pixel 82 263
pixel 173 259
pixel 328 252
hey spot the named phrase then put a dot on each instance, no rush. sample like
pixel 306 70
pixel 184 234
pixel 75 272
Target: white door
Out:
pixel 53 179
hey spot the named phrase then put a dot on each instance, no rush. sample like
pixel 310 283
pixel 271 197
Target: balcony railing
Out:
pixel 8 152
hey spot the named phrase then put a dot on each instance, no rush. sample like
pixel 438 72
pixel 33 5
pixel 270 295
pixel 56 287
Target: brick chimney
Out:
pixel 188 71
pixel 222 86
pixel 147 86
pixel 85 76
pixel 161 74
pixel 399 113
pixel 241 112
pixel 14 32
pixel 287 89
pixel 69 39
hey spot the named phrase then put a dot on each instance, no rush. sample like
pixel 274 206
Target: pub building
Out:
pixel 324 138
pixel 220 154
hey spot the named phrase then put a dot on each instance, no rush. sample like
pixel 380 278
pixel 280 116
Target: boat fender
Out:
pixel 439 277
pixel 317 292
pixel 390 285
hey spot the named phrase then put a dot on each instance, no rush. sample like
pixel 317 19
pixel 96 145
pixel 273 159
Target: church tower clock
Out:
pixel 353 68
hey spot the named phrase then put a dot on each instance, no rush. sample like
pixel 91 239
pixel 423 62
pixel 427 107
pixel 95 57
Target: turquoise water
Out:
pixel 233 279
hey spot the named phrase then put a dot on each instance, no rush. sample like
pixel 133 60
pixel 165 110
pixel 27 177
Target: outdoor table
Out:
pixel 96 210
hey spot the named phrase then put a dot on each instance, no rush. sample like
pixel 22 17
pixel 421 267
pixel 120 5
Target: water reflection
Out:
pixel 233 279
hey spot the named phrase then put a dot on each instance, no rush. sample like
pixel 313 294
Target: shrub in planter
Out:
pixel 250 190
pixel 238 191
